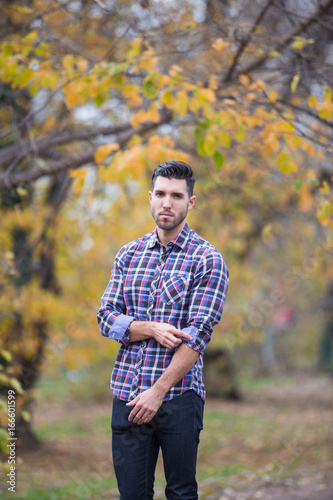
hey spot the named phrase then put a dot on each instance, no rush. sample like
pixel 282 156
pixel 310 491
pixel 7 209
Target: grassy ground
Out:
pixel 274 444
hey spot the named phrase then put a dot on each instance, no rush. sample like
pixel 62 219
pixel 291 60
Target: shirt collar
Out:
pixel 180 240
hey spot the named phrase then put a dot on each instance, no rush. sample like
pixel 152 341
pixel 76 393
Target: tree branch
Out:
pixel 322 9
pixel 9 181
pixel 21 148
pixel 326 123
pixel 246 40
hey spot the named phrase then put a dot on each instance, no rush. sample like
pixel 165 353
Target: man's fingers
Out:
pixel 140 417
pixel 180 334
pixel 133 402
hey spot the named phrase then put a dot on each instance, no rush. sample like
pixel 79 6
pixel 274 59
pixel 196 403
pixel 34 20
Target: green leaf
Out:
pixel 201 129
pixel 6 355
pixel 15 384
pixel 26 416
pixel 3 441
pixel 314 182
pixel 298 185
pixel 150 86
pixel 218 159
pixel 200 148
pixel 240 134
pixel 210 144
pixel 224 139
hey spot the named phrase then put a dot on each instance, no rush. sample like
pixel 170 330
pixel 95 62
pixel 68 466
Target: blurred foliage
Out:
pixel 94 95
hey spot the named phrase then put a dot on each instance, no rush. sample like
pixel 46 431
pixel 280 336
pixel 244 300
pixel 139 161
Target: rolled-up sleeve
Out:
pixel 113 322
pixel 207 298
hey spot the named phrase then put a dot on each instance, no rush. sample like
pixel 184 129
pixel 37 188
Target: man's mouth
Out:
pixel 166 214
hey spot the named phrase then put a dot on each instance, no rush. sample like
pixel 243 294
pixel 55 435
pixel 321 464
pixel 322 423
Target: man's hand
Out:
pixel 145 405
pixel 167 335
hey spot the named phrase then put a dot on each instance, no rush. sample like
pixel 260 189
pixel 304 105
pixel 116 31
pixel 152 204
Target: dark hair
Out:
pixel 175 170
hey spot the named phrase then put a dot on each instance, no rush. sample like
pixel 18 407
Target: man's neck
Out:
pixel 166 236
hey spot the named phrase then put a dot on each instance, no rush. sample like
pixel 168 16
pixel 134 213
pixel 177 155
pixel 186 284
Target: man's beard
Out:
pixel 168 224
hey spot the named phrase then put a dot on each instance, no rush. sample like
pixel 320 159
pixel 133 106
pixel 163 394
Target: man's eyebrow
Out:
pixel 172 193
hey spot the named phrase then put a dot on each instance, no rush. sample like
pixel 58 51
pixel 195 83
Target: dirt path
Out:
pixel 305 403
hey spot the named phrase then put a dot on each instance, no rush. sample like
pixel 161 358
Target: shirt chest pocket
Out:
pixel 174 288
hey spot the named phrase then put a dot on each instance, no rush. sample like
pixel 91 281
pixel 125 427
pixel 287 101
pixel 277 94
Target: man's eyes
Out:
pixel 175 195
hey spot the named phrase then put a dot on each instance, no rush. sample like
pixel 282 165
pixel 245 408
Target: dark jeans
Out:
pixel 175 429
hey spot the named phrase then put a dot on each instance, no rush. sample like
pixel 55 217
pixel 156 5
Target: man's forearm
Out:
pixel 140 330
pixel 147 403
pixel 165 334
pixel 181 363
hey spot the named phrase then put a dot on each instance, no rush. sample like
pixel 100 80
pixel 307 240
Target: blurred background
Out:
pixel 94 94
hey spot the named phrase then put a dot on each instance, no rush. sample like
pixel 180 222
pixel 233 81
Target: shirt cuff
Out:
pixel 195 343
pixel 120 329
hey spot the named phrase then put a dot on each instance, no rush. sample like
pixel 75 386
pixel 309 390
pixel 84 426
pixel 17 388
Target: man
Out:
pixel 166 291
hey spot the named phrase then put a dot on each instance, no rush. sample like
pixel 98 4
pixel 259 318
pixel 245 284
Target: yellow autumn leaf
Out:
pixel 312 102
pixel 258 85
pixel 251 96
pixel 266 232
pixel 294 83
pixel 224 139
pixel 220 44
pixel 103 151
pixel 143 116
pixel 26 416
pixel 16 385
pixel 213 82
pixel 181 103
pixel 325 189
pixel 209 144
pixel 167 99
pixel 205 96
pixel 309 149
pixel 82 64
pixel 325 113
pixel 78 185
pixel 164 80
pixel 271 140
pixel 68 62
pixel 6 355
pixel 148 61
pixel 245 80
pixel 135 140
pixel 30 37
pixel 324 212
pixel 299 42
pixel 328 95
pixel 287 127
pixel 294 141
pixel 286 163
pixel 79 172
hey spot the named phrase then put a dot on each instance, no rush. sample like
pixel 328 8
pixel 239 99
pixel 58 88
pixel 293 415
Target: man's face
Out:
pixel 169 202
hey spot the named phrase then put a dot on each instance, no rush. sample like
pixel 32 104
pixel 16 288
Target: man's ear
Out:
pixel 150 195
pixel 191 202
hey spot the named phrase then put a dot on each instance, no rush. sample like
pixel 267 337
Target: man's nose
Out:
pixel 167 202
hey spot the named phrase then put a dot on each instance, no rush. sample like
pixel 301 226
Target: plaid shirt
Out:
pixel 184 285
